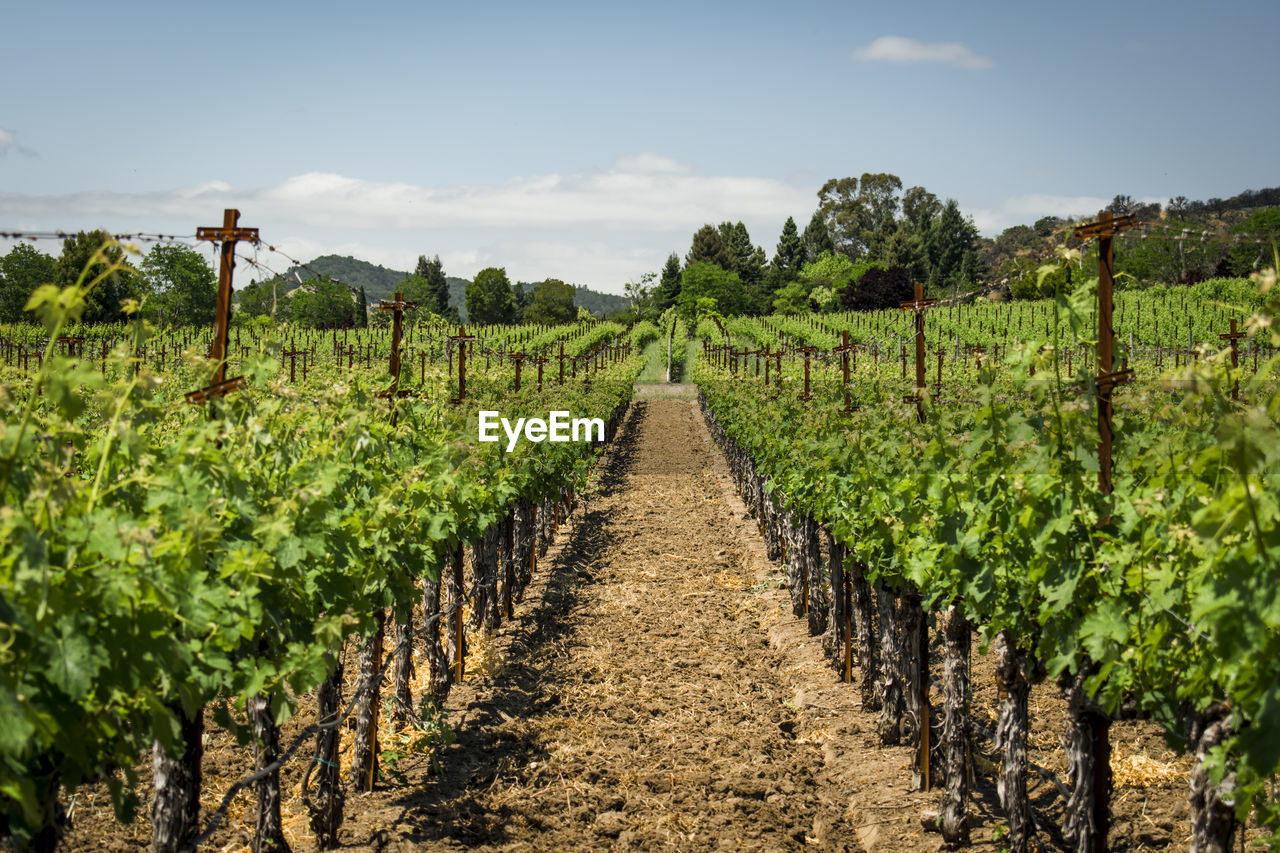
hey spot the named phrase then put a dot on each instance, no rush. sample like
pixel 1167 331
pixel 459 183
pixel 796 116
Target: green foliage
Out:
pixel 705 287
pixel 669 284
pixel 489 297
pixel 792 299
pixel 183 287
pixel 551 303
pixel 817 238
pixel 159 556
pixel 261 299
pixel 323 303
pixel 1164 592
pixel 708 247
pixel 22 270
pixel 790 255
pixel 860 213
pixel 1248 257
pixel 434 295
pixel 93 255
pixel 952 239
pixel 361 310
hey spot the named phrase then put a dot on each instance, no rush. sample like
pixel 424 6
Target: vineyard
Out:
pixel 294 541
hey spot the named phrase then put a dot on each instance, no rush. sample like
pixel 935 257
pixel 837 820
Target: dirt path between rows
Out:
pixel 641 705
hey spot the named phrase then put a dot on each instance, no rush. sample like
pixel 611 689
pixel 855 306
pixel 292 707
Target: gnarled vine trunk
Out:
pixel 175 800
pixel 268 836
pixel 956 743
pixel 326 808
pixel 892 700
pixel 865 637
pixel 1213 820
pixel 434 624
pixel 1088 745
pixel 364 747
pixel 1011 739
pixel 402 708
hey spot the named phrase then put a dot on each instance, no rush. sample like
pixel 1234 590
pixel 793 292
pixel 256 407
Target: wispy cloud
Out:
pixel 599 227
pixel 9 142
pixel 906 50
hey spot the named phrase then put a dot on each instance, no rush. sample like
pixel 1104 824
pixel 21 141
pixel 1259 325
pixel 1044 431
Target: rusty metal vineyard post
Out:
pixel 228 235
pixel 1095 724
pixel 918 305
pixel 1235 337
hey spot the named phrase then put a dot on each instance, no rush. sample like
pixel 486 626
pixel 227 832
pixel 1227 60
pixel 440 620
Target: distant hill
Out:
pixel 380 283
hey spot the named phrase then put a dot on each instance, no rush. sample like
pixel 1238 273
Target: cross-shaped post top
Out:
pixel 230 231
pixel 1107 225
pixel 919 303
pixel 1233 335
pixel 462 336
pixel 397 304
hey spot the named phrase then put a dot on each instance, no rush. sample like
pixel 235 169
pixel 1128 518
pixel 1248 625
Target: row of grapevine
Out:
pixel 163 561
pixel 1159 599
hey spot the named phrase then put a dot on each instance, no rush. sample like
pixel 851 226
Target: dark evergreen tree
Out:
pixel 951 236
pixel 708 246
pixel 817 239
pixel 362 309
pixel 790 256
pixel 669 284
pixel 432 272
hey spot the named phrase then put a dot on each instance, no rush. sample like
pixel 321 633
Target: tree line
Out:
pixel 869 241
pixel 175 284
pixel 864 246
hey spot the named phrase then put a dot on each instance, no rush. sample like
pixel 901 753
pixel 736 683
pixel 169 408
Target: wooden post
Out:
pixel 918 305
pixel 844 351
pixel 462 338
pixel 397 306
pixel 1235 337
pixel 1096 726
pixel 229 234
pixel 1105 229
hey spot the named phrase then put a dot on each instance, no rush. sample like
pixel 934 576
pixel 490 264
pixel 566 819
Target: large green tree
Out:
pixel 183 287
pixel 21 271
pixel 489 297
pixel 261 299
pixel 952 239
pixel 96 251
pixel 707 284
pixel 323 303
pixel 708 246
pixel 551 303
pixel 860 212
pixel 919 207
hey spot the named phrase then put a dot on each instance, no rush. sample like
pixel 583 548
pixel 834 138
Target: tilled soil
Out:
pixel 655 692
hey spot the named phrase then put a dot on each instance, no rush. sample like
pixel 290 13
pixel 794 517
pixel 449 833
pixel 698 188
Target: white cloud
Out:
pixel 599 227
pixel 6 140
pixel 906 50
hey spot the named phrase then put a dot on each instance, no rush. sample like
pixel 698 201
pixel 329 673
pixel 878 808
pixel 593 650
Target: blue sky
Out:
pixel 586 141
